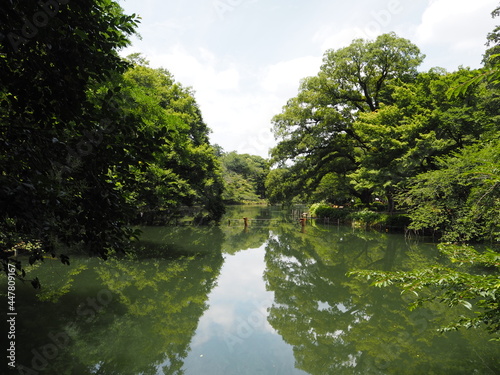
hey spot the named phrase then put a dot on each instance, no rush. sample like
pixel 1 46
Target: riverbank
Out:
pixel 364 218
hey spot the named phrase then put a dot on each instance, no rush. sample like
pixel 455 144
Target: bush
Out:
pixel 314 208
pixel 378 207
pixel 367 217
pixel 323 210
pixel 398 220
pixel 332 213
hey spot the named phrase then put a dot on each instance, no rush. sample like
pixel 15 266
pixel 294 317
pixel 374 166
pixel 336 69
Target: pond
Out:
pixel 272 298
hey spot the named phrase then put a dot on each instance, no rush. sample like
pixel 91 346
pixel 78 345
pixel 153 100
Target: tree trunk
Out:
pixel 390 202
pixel 366 196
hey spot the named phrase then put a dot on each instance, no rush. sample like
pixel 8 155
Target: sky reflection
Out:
pixel 234 336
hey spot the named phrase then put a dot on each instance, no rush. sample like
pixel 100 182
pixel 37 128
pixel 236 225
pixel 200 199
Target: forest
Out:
pixel 92 142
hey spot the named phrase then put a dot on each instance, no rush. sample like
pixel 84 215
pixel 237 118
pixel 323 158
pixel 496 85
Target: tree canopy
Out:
pixel 457 196
pixel 315 129
pixel 90 140
pixel 244 177
pixel 369 122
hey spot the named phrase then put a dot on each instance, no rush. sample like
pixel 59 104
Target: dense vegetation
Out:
pixel 244 177
pixel 88 140
pixel 369 127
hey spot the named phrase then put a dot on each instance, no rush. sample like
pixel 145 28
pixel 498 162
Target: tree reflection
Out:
pixel 238 238
pixel 124 316
pixel 338 325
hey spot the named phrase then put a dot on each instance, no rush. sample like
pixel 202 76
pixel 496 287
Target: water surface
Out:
pixel 272 298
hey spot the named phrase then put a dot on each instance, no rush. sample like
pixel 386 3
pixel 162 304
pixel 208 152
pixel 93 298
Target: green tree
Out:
pixel 185 170
pixel 280 187
pixel 316 130
pixel 57 144
pixel 461 199
pixel 89 139
pixel 244 177
pixel 404 138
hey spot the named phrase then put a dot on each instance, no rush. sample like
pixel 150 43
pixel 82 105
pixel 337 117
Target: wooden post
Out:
pixel 245 220
pixel 303 223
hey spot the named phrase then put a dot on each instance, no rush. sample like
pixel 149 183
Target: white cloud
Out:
pixel 241 122
pixel 237 103
pixel 284 77
pixel 242 73
pixel 329 37
pixel 203 71
pixel 456 25
pixel 237 111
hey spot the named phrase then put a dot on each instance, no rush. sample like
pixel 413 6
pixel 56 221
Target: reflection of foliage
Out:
pixel 55 289
pixel 129 316
pixel 261 221
pixel 168 242
pixel 238 238
pixel 453 287
pixel 338 324
pixel 160 304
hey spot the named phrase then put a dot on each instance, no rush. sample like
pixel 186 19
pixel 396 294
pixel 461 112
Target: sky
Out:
pixel 245 58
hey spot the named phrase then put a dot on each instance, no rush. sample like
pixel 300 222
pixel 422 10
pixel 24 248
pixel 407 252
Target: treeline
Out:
pixel 90 141
pixel 369 127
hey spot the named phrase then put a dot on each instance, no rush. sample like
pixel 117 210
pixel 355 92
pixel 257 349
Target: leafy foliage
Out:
pixel 457 195
pixel 244 177
pixel 363 127
pixel 461 199
pixel 184 169
pixel 315 129
pixel 52 191
pixel 323 210
pixel 88 139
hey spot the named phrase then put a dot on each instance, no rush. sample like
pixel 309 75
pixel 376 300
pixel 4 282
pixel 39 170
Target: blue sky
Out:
pixel 245 58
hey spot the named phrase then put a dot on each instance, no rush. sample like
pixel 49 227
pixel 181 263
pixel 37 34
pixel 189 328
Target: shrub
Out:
pixel 332 213
pixel 323 210
pixel 397 220
pixel 367 217
pixel 314 208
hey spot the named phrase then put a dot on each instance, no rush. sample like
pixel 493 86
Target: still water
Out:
pixel 272 298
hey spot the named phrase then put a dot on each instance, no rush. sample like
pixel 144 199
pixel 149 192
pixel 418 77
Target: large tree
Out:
pixel 315 129
pixel 244 177
pixel 460 200
pixel 57 144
